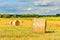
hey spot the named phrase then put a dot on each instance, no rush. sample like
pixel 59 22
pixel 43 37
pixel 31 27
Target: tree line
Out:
pixel 26 15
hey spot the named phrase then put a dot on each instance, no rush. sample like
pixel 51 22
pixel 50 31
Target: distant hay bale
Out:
pixel 16 23
pixel 11 22
pixel 39 25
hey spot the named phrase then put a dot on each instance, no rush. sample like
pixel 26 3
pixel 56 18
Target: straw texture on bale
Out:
pixel 38 25
pixel 16 23
pixel 11 22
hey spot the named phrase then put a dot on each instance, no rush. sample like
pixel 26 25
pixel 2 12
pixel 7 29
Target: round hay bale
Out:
pixel 16 23
pixel 39 25
pixel 11 22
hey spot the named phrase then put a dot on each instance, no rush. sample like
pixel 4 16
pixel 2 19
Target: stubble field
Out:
pixel 24 30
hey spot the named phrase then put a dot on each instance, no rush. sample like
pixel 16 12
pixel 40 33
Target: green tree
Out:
pixel 14 16
pixel 0 15
pixel 6 16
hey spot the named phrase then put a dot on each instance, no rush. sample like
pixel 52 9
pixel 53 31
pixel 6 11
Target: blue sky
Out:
pixel 42 7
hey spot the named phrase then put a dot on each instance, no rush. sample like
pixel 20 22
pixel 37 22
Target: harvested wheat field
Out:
pixel 24 30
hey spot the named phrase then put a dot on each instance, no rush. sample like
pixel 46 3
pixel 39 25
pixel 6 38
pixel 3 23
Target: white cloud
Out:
pixel 28 9
pixel 49 9
pixel 26 0
pixel 43 2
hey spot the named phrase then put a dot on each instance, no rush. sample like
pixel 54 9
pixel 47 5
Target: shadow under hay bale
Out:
pixel 39 25
pixel 49 32
pixel 16 23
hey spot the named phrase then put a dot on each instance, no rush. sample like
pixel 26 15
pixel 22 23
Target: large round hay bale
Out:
pixel 16 23
pixel 39 25
pixel 10 22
